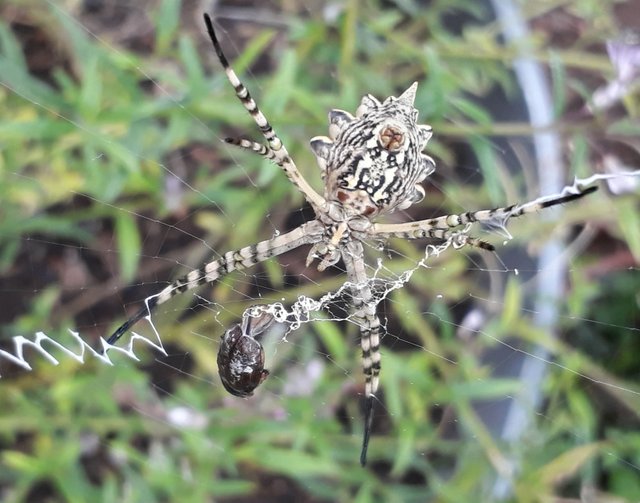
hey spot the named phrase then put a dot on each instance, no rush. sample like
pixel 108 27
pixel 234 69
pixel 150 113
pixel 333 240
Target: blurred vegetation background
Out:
pixel 114 180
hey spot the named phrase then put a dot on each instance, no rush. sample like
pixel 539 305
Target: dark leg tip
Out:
pixel 570 197
pixel 368 420
pixel 214 40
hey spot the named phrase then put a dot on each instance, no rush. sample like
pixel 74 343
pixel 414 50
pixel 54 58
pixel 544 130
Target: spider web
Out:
pixel 182 336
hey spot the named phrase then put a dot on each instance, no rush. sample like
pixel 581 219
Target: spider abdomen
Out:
pixel 372 162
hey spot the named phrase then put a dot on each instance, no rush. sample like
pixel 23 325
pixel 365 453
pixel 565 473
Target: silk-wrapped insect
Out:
pixel 241 356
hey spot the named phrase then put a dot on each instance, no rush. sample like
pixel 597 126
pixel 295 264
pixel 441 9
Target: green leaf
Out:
pixel 76 35
pixel 559 82
pixel 404 452
pixel 568 463
pixel 10 48
pixel 281 86
pixel 167 20
pixel 436 100
pixel 485 152
pixel 334 340
pixel 20 461
pixel 298 464
pixel 59 226
pixel 629 221
pixel 511 310
pixel 472 111
pixel 16 78
pixel 191 60
pixel 485 388
pixel 91 90
pixel 129 244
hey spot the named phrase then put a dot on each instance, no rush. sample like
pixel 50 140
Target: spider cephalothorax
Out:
pixel 372 165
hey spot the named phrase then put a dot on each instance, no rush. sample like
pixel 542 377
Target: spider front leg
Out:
pixel 459 238
pixel 443 225
pixel 365 315
pixel 244 258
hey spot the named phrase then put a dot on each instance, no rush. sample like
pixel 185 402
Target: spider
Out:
pixel 372 165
